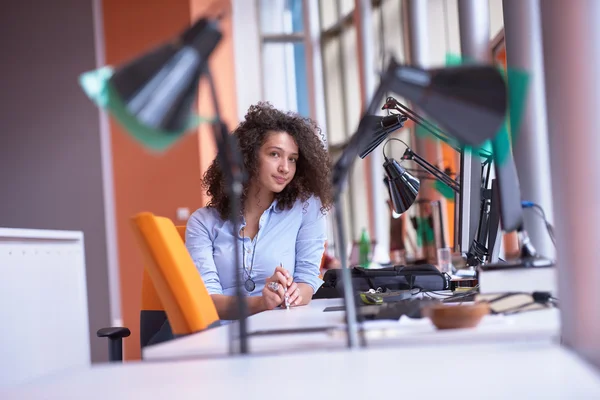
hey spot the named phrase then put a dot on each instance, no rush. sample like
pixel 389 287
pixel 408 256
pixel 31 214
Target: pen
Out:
pixel 287 297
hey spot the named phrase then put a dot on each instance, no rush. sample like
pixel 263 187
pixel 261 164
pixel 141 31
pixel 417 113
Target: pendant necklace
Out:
pixel 249 284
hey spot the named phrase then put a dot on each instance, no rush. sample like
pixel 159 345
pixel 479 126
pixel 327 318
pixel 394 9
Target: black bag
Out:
pixel 425 277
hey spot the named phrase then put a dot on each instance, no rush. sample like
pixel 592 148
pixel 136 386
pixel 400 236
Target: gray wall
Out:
pixel 50 165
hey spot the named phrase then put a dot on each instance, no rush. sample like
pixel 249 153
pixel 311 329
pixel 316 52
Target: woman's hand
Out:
pixel 295 297
pixel 274 292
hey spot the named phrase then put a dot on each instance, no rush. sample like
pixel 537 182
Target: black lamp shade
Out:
pixel 159 88
pixel 376 129
pixel 470 101
pixel 402 186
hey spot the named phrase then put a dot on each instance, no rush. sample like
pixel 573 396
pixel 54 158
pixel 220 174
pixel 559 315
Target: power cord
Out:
pixel 543 298
pixel 540 211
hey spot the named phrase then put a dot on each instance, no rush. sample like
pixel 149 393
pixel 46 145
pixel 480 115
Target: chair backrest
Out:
pixel 150 299
pixel 173 275
pixel 152 312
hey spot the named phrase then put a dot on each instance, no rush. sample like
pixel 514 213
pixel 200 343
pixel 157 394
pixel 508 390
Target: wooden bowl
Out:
pixel 445 316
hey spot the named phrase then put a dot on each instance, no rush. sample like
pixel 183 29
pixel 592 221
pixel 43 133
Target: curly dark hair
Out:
pixel 313 168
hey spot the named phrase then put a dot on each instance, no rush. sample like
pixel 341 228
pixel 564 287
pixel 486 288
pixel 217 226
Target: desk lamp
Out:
pixel 402 186
pixel 152 97
pixel 469 100
pixel 477 251
pixel 453 114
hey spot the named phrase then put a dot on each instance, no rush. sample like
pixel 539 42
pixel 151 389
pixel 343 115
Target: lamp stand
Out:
pixel 349 304
pixel 232 166
pixel 230 161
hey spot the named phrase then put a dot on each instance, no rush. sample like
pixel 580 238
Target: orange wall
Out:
pixel 159 183
pixel 223 73
pixel 450 159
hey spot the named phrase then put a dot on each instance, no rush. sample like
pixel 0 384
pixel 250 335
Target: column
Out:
pixel 427 147
pixel 523 41
pixel 571 33
pixel 474 27
pixel 379 209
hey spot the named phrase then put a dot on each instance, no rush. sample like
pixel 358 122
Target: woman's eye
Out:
pixel 274 154
pixel 293 160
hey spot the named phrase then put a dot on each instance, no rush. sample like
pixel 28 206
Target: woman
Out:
pixel 284 204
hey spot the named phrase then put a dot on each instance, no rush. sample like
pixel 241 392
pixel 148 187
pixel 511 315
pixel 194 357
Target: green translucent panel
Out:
pixel 425 234
pixel 444 190
pixel 96 85
pixel 518 85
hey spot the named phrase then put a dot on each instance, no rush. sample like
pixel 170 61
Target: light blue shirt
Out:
pixel 294 238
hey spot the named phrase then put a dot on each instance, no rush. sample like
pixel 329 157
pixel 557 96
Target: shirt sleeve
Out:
pixel 310 245
pixel 200 247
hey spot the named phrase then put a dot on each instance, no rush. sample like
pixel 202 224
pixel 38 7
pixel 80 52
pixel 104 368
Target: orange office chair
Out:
pixel 178 284
pixel 171 287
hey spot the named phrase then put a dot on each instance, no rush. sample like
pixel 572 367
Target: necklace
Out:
pixel 249 284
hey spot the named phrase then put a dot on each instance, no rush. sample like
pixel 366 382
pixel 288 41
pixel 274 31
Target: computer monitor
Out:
pixel 469 200
pixel 509 189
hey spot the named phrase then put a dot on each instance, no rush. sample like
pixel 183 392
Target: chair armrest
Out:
pixel 114 332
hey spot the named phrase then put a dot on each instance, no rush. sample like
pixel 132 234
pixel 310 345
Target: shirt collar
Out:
pixel 273 205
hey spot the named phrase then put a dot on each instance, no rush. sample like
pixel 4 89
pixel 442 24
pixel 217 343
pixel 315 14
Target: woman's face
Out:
pixel 277 160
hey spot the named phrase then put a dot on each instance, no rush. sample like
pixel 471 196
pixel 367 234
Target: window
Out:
pixel 342 86
pixel 283 55
pixel 339 48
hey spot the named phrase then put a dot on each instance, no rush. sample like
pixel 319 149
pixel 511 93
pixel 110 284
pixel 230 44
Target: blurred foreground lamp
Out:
pixel 470 101
pixel 153 98
pixel 153 95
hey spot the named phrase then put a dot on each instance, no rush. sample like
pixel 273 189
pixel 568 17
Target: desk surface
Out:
pixel 519 371
pixel 526 327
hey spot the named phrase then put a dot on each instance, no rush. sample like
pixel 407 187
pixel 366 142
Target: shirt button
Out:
pixel 249 251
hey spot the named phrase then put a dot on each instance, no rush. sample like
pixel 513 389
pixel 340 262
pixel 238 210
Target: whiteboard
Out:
pixel 43 304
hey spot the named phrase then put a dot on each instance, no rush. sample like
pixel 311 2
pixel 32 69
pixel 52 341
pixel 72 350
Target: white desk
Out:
pixel 215 342
pixel 534 326
pixel 482 371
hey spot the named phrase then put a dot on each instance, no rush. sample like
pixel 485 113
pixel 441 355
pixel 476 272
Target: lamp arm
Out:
pixel 433 170
pixel 417 119
pixel 438 136
pixel 356 142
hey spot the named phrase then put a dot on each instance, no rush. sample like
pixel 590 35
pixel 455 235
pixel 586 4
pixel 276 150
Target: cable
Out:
pixel 540 212
pixel 543 298
pixel 389 140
